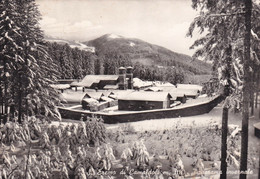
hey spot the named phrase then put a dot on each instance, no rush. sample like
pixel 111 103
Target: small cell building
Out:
pixel 144 100
pixel 97 101
pixel 175 95
pixel 183 91
pixel 194 87
pixel 193 94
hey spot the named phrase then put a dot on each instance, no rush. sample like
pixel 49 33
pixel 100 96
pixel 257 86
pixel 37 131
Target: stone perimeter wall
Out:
pixel 144 115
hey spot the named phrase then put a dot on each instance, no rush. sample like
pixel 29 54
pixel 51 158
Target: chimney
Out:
pixel 129 76
pixel 122 78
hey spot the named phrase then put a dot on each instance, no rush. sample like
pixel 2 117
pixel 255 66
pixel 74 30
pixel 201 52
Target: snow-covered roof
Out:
pixel 95 95
pixel 138 83
pixel 60 86
pixel 88 80
pixel 186 92
pixel 154 89
pixel 113 96
pixel 75 83
pixel 66 81
pixel 104 98
pixel 118 93
pixel 90 100
pixel 190 86
pixel 162 84
pixel 168 88
pixel 176 95
pixel 179 92
pixel 257 126
pixel 145 96
pixel 111 87
pixel 72 96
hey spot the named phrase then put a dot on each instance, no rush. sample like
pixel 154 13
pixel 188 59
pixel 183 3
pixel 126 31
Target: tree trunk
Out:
pixel 20 106
pixel 20 98
pixel 256 89
pixel 246 90
pixel 252 103
pixel 1 103
pixel 224 130
pixel 259 165
pixel 5 92
pixel 252 92
pixel 223 165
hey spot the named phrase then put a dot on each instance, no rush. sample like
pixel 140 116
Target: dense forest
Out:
pixel 73 63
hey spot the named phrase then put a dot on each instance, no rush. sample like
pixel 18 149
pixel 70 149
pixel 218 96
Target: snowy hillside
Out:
pixel 82 46
pixel 147 54
pixel 72 44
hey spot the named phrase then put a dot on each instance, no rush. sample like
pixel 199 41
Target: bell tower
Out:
pixel 129 76
pixel 122 79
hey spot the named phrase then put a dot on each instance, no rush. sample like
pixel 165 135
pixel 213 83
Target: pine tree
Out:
pixel 88 63
pixel 246 89
pixel 99 66
pixel 30 91
pixel 223 44
pixel 9 47
pixel 77 72
pixel 65 59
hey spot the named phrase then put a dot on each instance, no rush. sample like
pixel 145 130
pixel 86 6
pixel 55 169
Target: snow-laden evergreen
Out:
pixel 231 42
pixel 29 65
pixel 8 49
pixel 223 26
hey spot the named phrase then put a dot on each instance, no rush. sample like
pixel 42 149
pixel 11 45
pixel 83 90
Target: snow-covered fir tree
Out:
pixel 31 71
pixel 227 45
pixel 8 50
pixel 222 26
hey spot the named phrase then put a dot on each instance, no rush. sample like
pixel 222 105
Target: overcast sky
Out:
pixel 161 22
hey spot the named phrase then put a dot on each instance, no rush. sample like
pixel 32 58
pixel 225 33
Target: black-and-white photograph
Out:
pixel 130 89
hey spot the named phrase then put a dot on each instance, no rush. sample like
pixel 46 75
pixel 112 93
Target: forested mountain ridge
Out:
pixel 146 53
pixel 150 62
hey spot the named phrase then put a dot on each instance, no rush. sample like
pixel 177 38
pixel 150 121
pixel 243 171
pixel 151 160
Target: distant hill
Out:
pixel 148 54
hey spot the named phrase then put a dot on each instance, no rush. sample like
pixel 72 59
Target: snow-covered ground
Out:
pixel 82 46
pixel 161 124
pixel 113 36
pixel 132 44
pixel 74 44
pixel 57 40
pixel 161 84
pixel 213 117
